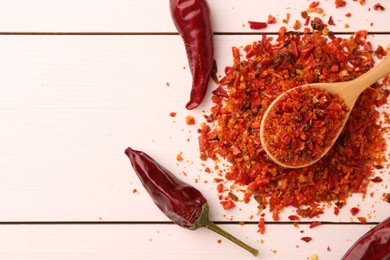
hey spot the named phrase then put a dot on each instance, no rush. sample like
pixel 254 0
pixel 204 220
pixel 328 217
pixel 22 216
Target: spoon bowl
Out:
pixel 349 91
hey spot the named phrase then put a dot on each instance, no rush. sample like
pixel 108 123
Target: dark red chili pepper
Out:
pixel 179 201
pixel 374 245
pixel 192 20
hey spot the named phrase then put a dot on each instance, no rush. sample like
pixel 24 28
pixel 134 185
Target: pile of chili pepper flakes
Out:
pixel 270 67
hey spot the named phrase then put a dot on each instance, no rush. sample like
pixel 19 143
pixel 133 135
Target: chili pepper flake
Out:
pixel 317 24
pixel 348 14
pixel 257 25
pixel 340 3
pixel 354 211
pixel 179 157
pixel 232 196
pixel 362 220
pixel 227 204
pixel 287 19
pixel 293 218
pixel 376 179
pixel 307 21
pixel 190 120
pixel 315 224
pixel 386 197
pixel 271 19
pixel 220 187
pixel 336 211
pixel 378 7
pixel 306 239
pixel 297 25
pixel 172 114
pixel 330 21
pixel 261 226
pixel 314 4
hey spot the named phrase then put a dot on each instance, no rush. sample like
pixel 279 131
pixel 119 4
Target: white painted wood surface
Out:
pixel 70 105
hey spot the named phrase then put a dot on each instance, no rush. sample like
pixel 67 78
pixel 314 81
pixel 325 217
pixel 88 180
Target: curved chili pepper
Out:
pixel 374 245
pixel 192 20
pixel 179 201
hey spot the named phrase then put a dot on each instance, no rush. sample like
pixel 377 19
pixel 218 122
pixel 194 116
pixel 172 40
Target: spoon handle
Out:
pixel 351 90
pixel 376 73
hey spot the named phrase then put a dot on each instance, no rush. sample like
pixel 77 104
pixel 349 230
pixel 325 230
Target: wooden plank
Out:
pixel 171 242
pixel 154 16
pixel 71 105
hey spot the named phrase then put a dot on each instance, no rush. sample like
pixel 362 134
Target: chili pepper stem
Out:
pixel 204 221
pixel 210 225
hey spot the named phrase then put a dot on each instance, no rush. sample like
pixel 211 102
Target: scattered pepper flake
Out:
pixel 354 211
pixel 378 7
pixel 271 19
pixel 306 239
pixel 232 196
pixel 336 211
pixel 348 14
pixel 293 218
pixel 330 21
pixel 135 191
pixel 257 25
pixel 386 197
pixel 220 187
pixel 376 179
pixel 261 226
pixel 315 224
pixel 172 114
pixel 314 4
pixel 317 24
pixel 287 19
pixel 190 120
pixel 362 220
pixel 340 3
pixel 227 204
pixel 307 21
pixel 179 157
pixel 297 25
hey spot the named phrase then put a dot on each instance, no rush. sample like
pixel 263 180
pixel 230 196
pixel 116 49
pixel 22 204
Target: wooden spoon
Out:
pixel 348 90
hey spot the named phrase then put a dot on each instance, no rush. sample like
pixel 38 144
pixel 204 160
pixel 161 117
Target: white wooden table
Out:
pixel 81 81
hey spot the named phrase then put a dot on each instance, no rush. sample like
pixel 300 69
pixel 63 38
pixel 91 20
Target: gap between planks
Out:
pixel 166 33
pixel 171 223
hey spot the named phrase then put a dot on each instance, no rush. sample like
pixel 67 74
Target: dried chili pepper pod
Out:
pixel 179 201
pixel 374 245
pixel 192 20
